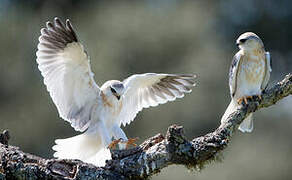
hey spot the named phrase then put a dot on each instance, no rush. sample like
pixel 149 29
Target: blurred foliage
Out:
pixel 124 37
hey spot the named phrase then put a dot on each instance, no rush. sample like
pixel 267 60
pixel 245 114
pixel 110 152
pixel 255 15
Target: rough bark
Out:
pixel 144 160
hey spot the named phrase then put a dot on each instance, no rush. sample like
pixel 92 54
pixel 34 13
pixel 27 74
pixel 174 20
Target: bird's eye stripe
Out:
pixel 242 40
pixel 113 90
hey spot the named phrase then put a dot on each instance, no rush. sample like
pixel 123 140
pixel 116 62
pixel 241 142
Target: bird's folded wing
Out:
pixel 268 70
pixel 65 67
pixel 151 89
pixel 233 71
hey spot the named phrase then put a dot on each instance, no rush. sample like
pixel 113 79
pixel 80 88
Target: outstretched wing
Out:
pixel 65 67
pixel 268 70
pixel 151 89
pixel 233 71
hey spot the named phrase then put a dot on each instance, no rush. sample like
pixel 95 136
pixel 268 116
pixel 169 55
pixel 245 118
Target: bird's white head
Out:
pixel 249 41
pixel 113 88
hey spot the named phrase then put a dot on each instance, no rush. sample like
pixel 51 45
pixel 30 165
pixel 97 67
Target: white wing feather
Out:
pixel 67 74
pixel 268 70
pixel 150 89
pixel 233 73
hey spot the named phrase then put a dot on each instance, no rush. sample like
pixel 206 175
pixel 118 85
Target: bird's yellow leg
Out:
pixel 113 144
pixel 248 97
pixel 239 101
pixel 131 141
pixel 244 99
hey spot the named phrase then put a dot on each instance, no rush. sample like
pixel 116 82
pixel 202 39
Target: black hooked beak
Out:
pixel 118 96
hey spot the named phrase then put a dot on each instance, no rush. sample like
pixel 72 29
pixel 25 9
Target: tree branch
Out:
pixel 142 161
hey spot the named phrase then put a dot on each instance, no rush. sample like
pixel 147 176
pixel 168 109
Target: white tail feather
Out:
pixel 247 123
pixel 100 157
pixel 230 109
pixel 86 147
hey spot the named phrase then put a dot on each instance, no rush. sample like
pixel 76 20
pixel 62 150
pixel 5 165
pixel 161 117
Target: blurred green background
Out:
pixel 125 37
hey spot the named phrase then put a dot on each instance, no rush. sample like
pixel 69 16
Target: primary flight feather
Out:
pixel 97 111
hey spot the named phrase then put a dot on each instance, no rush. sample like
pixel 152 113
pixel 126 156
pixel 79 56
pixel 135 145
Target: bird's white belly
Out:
pixel 109 115
pixel 250 78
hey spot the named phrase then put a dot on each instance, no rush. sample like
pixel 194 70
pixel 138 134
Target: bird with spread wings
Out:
pixel 248 76
pixel 97 111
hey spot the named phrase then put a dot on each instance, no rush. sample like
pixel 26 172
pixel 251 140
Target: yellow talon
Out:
pixel 239 101
pixel 131 141
pixel 113 144
pixel 244 99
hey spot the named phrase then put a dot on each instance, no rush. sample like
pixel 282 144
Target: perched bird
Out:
pixel 248 76
pixel 97 111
